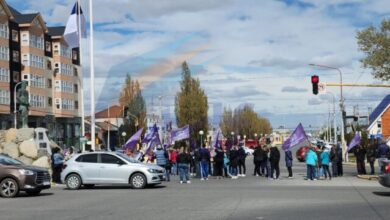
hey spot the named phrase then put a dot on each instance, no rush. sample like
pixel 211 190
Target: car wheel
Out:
pixel 9 188
pixel 138 181
pixel 89 186
pixel 33 192
pixel 73 182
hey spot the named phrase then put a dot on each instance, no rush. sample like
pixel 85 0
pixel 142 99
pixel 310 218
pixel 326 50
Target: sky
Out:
pixel 242 51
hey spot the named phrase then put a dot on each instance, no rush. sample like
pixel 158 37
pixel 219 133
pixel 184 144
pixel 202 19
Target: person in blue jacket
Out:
pixel 325 160
pixel 289 160
pixel 311 162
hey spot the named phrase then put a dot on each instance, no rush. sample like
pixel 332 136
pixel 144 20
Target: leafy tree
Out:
pixel 375 43
pixel 191 105
pixel 132 101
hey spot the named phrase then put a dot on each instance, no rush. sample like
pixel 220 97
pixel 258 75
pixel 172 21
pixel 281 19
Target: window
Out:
pixel 88 158
pixel 106 158
pixel 67 104
pixel 37 101
pixel 75 88
pixel 75 72
pixel 37 81
pixel 4 53
pixel 15 76
pixel 76 104
pixel 4 31
pixel 40 135
pixel 15 56
pixel 65 51
pixel 58 103
pixel 49 83
pixel 33 61
pixel 64 86
pixel 48 64
pixel 74 54
pixel 36 41
pixel 66 69
pixel 15 35
pixel 4 97
pixel 4 75
pixel 48 46
pixel 49 101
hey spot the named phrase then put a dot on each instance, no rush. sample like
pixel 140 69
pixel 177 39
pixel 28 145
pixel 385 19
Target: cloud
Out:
pixel 277 62
pixel 314 101
pixel 293 89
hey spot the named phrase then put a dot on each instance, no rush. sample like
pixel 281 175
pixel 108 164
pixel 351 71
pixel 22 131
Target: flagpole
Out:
pixel 81 77
pixel 93 139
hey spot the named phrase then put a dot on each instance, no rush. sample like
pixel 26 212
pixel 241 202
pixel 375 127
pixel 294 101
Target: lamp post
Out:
pixel 201 138
pixel 255 135
pixel 341 103
pixel 15 110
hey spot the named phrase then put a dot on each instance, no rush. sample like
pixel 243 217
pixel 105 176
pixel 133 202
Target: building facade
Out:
pixel 30 51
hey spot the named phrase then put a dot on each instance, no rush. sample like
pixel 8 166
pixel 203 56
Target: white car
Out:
pixel 248 151
pixel 93 168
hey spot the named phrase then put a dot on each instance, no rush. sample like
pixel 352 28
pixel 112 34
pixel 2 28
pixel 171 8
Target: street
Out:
pixel 245 198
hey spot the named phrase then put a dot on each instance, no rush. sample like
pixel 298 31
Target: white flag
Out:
pixel 74 24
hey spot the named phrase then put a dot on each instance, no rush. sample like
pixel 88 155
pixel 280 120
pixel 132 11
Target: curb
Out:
pixel 368 177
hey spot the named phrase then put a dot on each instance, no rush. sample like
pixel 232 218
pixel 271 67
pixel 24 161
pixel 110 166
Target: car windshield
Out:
pixel 127 158
pixel 4 160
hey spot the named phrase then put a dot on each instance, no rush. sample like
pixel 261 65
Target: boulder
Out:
pixel 29 148
pixel 2 136
pixel 10 135
pixel 42 162
pixel 24 134
pixel 26 160
pixel 11 149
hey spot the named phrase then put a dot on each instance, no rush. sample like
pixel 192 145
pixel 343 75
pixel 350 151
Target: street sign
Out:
pixel 321 88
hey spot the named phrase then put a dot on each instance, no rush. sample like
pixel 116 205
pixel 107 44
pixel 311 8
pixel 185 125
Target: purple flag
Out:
pixel 151 140
pixel 355 141
pixel 132 142
pixel 297 137
pixel 216 139
pixel 180 134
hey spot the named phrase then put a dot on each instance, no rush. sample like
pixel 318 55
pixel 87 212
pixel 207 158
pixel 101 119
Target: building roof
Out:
pixel 56 31
pixel 25 18
pixel 114 110
pixel 13 11
pixel 379 110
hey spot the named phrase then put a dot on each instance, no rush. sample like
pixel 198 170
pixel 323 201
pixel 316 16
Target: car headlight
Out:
pixel 26 172
pixel 152 171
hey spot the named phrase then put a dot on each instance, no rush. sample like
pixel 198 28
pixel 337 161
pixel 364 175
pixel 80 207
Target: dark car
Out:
pixel 16 176
pixel 301 153
pixel 384 179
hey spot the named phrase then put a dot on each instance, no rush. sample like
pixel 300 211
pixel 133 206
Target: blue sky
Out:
pixel 242 51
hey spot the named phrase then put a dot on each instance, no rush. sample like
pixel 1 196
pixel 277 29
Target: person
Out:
pixel 334 158
pixel 183 160
pixel 218 162
pixel 274 159
pixel 289 160
pixel 360 154
pixel 382 154
pixel 226 163
pixel 57 162
pixel 162 160
pixel 265 169
pixel 257 157
pixel 241 161
pixel 233 158
pixel 311 162
pixel 204 154
pixel 173 158
pixel 371 154
pixel 339 152
pixel 193 163
pixel 325 160
pixel 69 154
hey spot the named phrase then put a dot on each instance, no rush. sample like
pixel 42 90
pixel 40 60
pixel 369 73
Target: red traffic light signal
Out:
pixel 314 81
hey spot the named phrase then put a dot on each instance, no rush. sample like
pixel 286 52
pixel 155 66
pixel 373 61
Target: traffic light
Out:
pixel 314 81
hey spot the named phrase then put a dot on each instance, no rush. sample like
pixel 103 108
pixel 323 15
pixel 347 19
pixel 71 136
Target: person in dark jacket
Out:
pixel 382 154
pixel 289 160
pixel 339 152
pixel 233 157
pixel 241 161
pixel 183 160
pixel 265 168
pixel 274 159
pixel 360 154
pixel 371 156
pixel 257 157
pixel 218 161
pixel 204 154
pixel 334 158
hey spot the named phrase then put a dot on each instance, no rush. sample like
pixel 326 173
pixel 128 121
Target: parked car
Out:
pixel 384 179
pixel 301 153
pixel 16 176
pixel 248 150
pixel 94 168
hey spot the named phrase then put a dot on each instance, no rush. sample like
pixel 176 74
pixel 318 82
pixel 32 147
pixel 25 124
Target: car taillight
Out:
pixel 387 168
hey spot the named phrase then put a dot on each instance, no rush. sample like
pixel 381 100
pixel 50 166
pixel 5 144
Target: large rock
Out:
pixel 29 148
pixel 42 162
pixel 11 149
pixel 26 160
pixel 2 136
pixel 24 134
pixel 10 135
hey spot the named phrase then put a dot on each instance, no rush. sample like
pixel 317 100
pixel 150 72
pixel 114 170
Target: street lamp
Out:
pixel 15 110
pixel 201 138
pixel 124 135
pixel 341 102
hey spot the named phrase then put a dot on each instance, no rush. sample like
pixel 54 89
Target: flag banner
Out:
pixel 297 137
pixel 180 134
pixel 151 140
pixel 354 142
pixel 76 23
pixel 216 139
pixel 132 142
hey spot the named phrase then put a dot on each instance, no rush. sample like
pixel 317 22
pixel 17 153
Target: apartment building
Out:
pixel 32 52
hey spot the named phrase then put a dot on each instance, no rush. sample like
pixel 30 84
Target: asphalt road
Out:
pixel 245 198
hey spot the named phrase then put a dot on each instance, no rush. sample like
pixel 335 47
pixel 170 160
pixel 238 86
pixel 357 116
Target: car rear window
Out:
pixel 88 158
